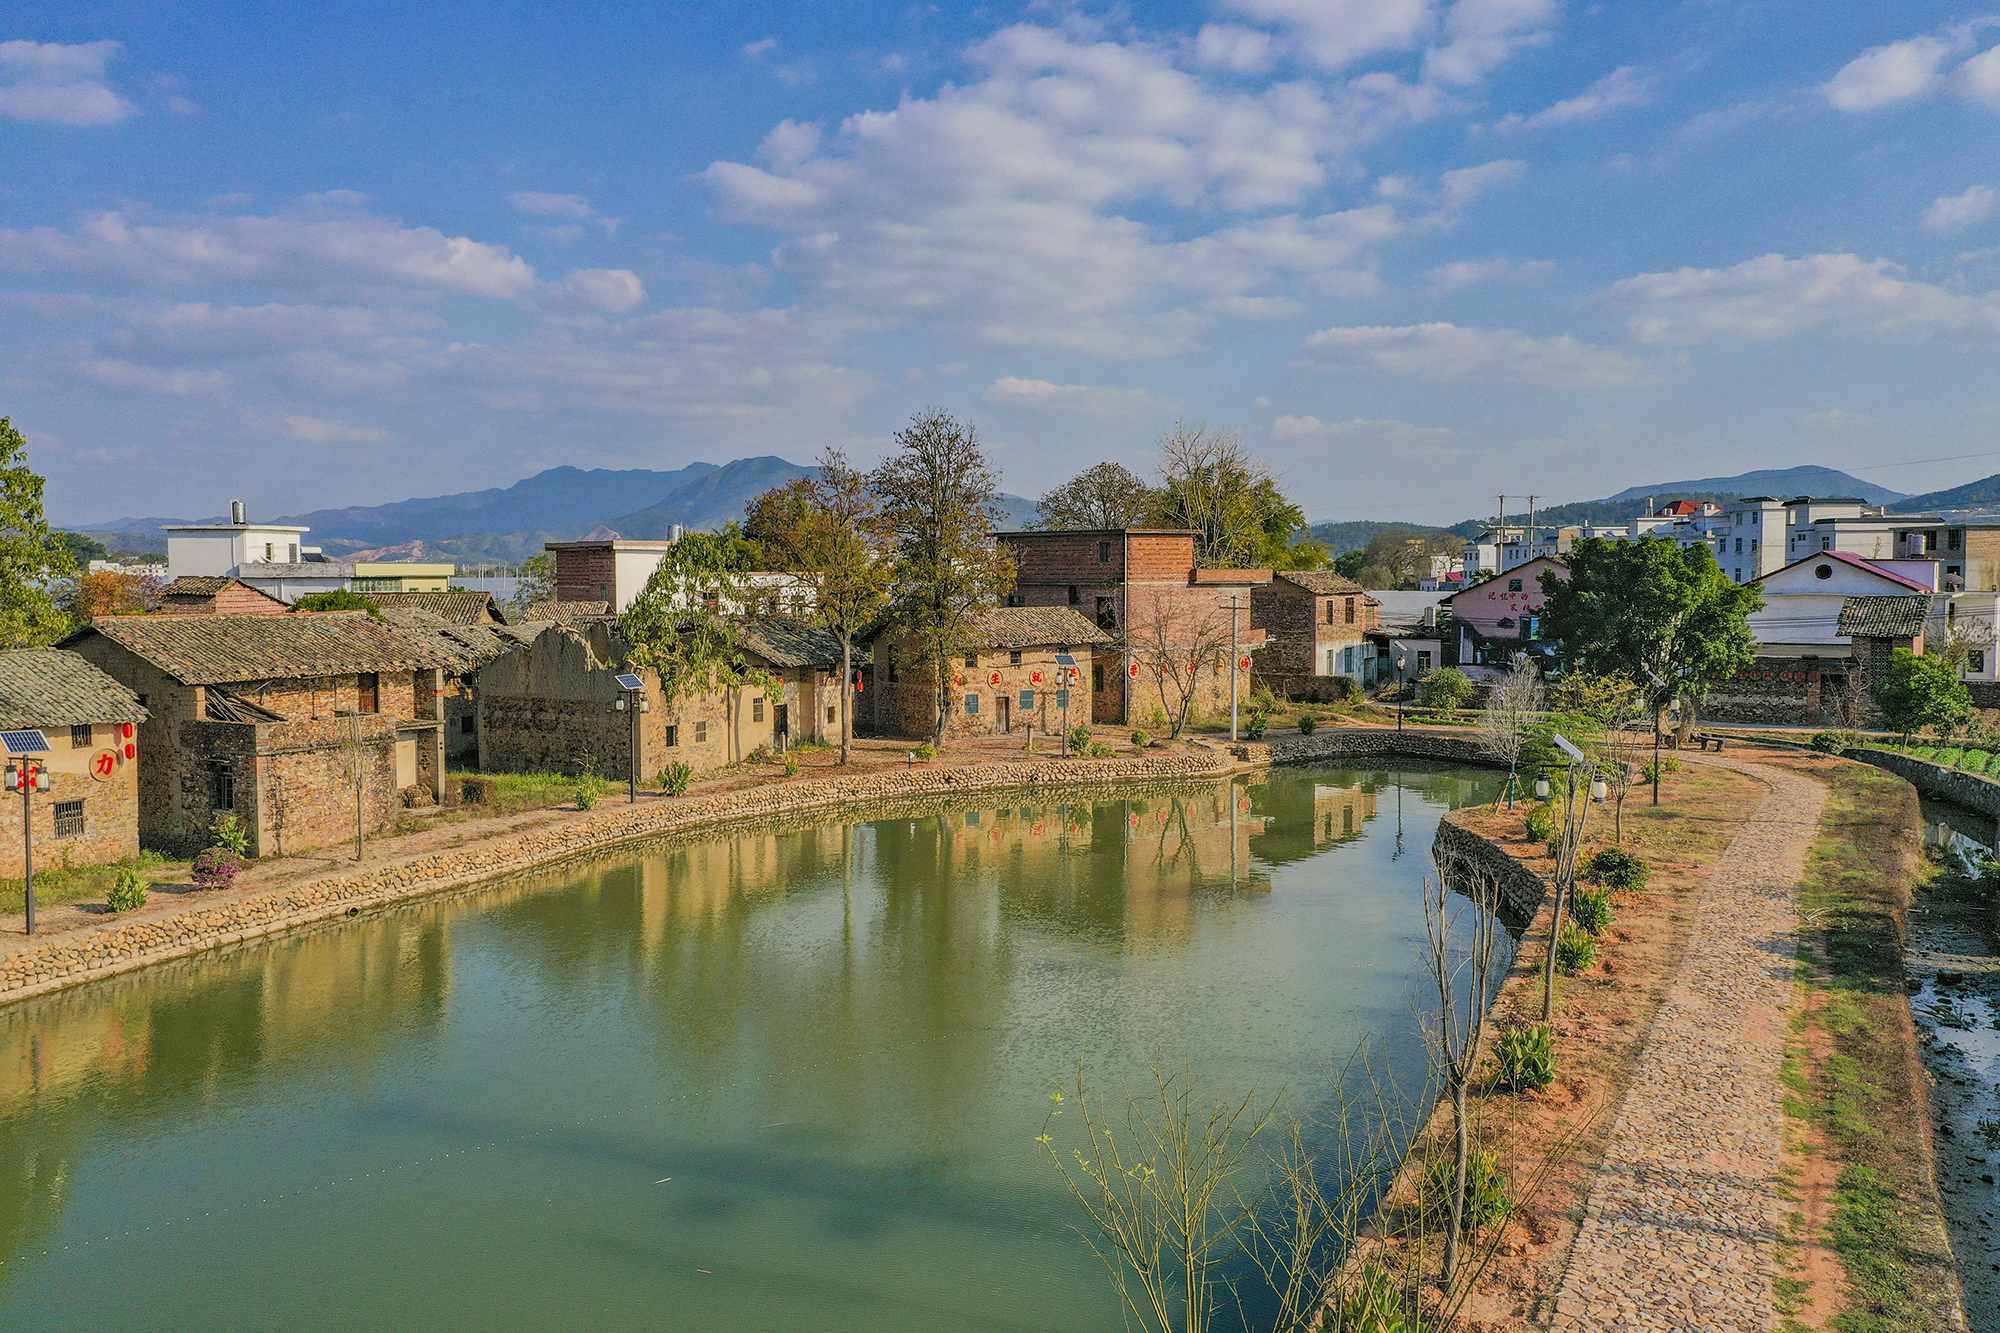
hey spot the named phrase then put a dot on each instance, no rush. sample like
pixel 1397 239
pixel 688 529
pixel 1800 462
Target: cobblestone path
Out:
pixel 1681 1226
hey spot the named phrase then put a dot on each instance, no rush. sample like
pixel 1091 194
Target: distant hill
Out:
pixel 1783 483
pixel 708 501
pixel 1340 538
pixel 1983 493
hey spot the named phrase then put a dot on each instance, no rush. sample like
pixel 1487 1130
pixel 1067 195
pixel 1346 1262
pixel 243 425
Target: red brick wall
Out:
pixel 584 576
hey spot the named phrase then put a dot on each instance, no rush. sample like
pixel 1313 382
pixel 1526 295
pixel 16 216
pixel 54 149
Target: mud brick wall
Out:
pixel 1781 690
pixel 110 810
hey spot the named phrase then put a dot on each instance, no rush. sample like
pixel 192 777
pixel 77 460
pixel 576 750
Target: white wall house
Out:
pixel 1802 601
pixel 267 556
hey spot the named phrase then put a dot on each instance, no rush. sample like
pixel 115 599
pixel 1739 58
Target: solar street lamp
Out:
pixel 634 702
pixel 26 775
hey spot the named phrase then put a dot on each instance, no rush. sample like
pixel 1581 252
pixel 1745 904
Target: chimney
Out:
pixel 236 513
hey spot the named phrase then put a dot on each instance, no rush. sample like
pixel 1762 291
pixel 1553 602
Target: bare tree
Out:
pixel 1180 647
pixel 1513 708
pixel 1461 957
pixel 1575 800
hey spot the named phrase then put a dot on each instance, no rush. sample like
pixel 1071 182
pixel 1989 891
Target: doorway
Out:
pixel 1003 714
pixel 781 724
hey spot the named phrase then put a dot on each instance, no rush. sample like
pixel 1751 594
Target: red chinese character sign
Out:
pixel 1037 677
pixel 1245 664
pixel 993 679
pixel 1135 671
pixel 103 765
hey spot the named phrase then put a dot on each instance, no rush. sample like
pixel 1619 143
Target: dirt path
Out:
pixel 1682 1225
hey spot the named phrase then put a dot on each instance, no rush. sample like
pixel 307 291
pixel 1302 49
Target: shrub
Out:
pixel 1576 949
pixel 1540 822
pixel 1652 771
pixel 587 793
pixel 216 868
pixel 1829 742
pixel 1447 687
pixel 1370 1302
pixel 791 768
pixel 1485 1191
pixel 1262 700
pixel 341 599
pixel 1142 739
pixel 676 778
pixel 228 831
pixel 1157 719
pixel 476 791
pixel 1308 724
pixel 760 755
pixel 1616 868
pixel 1924 751
pixel 926 752
pixel 416 795
pixel 1098 750
pixel 1257 726
pixel 1344 689
pixel 129 892
pixel 1526 1058
pixel 1976 761
pixel 1591 909
pixel 1080 737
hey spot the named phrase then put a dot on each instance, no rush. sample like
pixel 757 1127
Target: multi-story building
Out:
pixel 1316 627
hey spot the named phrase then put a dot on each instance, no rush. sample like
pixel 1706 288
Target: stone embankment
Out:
pixel 85 955
pixel 1948 784
pixel 1521 890
pixel 1365 743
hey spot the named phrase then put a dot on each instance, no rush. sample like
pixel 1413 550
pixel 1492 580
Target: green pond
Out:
pixel 786 1078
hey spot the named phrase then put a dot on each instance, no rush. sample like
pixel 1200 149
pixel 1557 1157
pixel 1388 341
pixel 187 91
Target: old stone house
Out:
pixel 200 594
pixel 459 606
pixel 1141 586
pixel 276 719
pixel 91 812
pixel 465 646
pixel 1006 679
pixel 1316 625
pixel 550 704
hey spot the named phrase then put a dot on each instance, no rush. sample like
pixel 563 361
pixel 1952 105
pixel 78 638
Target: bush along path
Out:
pixel 1683 1225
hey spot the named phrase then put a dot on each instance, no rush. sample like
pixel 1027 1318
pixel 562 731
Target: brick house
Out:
pixel 1007 681
pixel 267 716
pixel 466 646
pixel 1140 586
pixel 201 594
pixel 613 570
pixel 1826 688
pixel 1316 625
pixel 91 811
pixel 548 705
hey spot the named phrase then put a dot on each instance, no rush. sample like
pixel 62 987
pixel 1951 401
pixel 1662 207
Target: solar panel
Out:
pixel 1065 659
pixel 628 681
pixel 25 742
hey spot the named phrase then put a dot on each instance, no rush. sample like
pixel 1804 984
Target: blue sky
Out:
pixel 1418 251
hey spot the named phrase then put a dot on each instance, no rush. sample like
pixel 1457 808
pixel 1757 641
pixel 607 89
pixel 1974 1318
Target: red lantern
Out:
pixel 131 750
pixel 125 730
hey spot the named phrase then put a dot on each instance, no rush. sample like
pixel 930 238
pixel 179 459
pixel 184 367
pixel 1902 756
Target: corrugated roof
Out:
pixel 1893 617
pixel 1323 583
pixel 47 687
pixel 214 650
pixel 1034 626
pixel 460 606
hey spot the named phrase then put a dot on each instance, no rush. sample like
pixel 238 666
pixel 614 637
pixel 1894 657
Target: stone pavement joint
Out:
pixel 1682 1225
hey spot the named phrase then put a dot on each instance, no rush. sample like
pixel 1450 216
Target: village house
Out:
pixel 1316 625
pixel 1412 638
pixel 460 606
pixel 269 718
pixel 551 703
pixel 1141 586
pixel 1800 618
pixel 208 595
pixel 90 813
pixel 464 646
pixel 1006 680
pixel 1502 616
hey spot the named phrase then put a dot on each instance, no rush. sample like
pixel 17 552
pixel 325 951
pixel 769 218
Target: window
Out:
pixel 1953 538
pixel 1350 610
pixel 1075 595
pixel 1975 663
pixel 1027 701
pixel 468 725
pixel 1014 658
pixel 1739 546
pixel 1329 611
pixel 1104 553
pixel 972 817
pixel 972 659
pixel 69 819
pixel 673 734
pixel 1954 570
pixel 701 733
pixel 369 692
pixel 972 705
pixel 294 556
pixel 79 736
pixel 1097 678
pixel 270 553
pixel 1950 612
pixel 1823 571
pixel 757 710
pixel 1107 617
pixel 1826 543
pixel 221 786
pixel 1423 661
pixel 1753 546
pixel 1513 585
pixel 1930 540
pixel 832 715
pixel 1014 598
pixel 378 585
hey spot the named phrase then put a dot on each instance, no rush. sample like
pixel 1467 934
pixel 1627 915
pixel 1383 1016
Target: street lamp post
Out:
pixel 1235 606
pixel 26 776
pixel 1065 670
pixel 632 700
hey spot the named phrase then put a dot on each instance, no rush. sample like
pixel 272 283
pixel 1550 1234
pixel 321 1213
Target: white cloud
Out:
pixel 613 291
pixel 1956 212
pixel 1474 272
pixel 151 379
pixel 1461 187
pixel 200 330
pixel 314 430
pixel 325 242
pixel 1461 42
pixel 1450 352
pixel 1089 400
pixel 1240 50
pixel 551 205
pixel 1362 430
pixel 1479 35
pixel 1623 87
pixel 1916 68
pixel 1774 297
pixel 59 85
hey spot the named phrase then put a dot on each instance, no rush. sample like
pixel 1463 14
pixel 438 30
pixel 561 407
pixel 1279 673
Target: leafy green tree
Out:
pixel 826 529
pixel 82 550
pixel 1349 564
pixel 1108 495
pixel 1211 483
pixel 1447 687
pixel 33 559
pixel 1661 614
pixel 537 583
pixel 685 624
pixel 1919 692
pixel 340 599
pixel 940 501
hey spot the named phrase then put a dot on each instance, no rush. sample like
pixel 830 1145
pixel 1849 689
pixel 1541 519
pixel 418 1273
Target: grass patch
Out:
pixel 72 884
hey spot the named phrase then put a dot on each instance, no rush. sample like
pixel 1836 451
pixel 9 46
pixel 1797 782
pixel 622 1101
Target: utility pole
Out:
pixel 1500 537
pixel 1531 527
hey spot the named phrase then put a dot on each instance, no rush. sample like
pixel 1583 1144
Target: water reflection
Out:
pixel 833 1039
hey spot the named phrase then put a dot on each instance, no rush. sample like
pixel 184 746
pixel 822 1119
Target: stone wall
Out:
pixel 1521 889
pixel 1367 742
pixel 110 807
pixel 1787 691
pixel 1950 784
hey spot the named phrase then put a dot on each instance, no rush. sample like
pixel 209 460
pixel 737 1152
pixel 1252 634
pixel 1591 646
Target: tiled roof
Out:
pixel 468 647
pixel 787 643
pixel 1895 617
pixel 47 687
pixel 1033 626
pixel 1322 582
pixel 214 650
pixel 562 613
pixel 459 606
pixel 196 585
